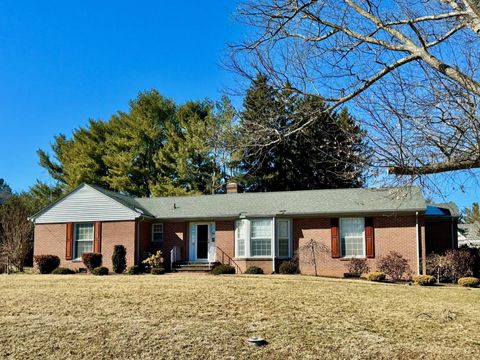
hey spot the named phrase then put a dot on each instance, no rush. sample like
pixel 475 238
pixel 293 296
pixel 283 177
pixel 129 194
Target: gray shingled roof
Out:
pixel 308 202
pixel 470 231
pixel 4 196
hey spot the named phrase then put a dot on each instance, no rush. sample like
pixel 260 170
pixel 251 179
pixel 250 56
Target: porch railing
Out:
pixel 224 258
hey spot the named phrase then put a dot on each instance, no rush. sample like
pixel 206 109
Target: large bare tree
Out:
pixel 410 68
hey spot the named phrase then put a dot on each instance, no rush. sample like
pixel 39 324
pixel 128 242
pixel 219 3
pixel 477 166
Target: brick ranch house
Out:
pixel 244 229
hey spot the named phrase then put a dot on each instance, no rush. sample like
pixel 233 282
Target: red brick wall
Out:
pixel 392 233
pixel 51 239
pixel 174 234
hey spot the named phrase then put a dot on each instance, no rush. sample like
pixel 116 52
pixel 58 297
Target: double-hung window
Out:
pixel 352 237
pixel 283 236
pixel 157 232
pixel 83 239
pixel 261 237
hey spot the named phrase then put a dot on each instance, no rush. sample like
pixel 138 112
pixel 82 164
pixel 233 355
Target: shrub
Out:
pixel 154 261
pixel 288 267
pixel 469 281
pixel 376 276
pixel 157 271
pixel 223 269
pixel 119 261
pixel 46 263
pixel 100 271
pixel 254 270
pixel 424 280
pixel 63 271
pixel 460 264
pixel 92 260
pixel 393 265
pixel 358 266
pixel 135 270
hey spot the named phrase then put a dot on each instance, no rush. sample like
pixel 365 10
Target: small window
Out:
pixel 240 226
pixel 83 239
pixel 352 240
pixel 283 235
pixel 157 233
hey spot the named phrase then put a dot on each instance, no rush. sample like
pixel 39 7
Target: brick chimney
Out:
pixel 232 188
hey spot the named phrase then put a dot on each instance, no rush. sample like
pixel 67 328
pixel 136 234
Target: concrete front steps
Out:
pixel 195 267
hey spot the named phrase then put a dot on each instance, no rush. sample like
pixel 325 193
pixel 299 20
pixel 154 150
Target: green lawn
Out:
pixel 203 316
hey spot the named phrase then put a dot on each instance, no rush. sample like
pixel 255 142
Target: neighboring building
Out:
pixel 242 229
pixel 469 234
pixel 441 221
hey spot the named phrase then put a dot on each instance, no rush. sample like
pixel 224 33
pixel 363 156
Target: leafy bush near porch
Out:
pixel 254 270
pixel 358 266
pixel 223 269
pixel 100 271
pixel 92 260
pixel 393 265
pixel 119 259
pixel 135 270
pixel 424 280
pixel 469 281
pixel 376 276
pixel 157 271
pixel 63 271
pixel 154 261
pixel 46 263
pixel 288 267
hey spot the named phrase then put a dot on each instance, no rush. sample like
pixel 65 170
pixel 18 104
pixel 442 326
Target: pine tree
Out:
pixel 329 154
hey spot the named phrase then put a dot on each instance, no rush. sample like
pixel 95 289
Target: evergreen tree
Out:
pixel 329 154
pixel 4 187
pixel 472 215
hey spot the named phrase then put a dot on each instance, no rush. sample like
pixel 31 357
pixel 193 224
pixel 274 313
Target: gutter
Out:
pixel 418 242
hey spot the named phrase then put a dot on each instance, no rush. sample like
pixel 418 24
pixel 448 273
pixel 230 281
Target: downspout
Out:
pixel 418 242
pixel 274 241
pixel 453 239
pixel 138 241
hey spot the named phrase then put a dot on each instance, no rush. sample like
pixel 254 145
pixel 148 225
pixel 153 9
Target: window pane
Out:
pixel 83 247
pixel 240 247
pixel 157 232
pixel 283 249
pixel 351 237
pixel 261 228
pixel 83 239
pixel 283 229
pixel 261 247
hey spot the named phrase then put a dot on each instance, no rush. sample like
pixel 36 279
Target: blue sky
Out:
pixel 63 62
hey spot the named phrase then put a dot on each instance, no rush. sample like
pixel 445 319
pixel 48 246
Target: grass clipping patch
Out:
pixel 197 317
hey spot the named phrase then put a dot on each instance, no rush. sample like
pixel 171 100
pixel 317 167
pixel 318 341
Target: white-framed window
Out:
pixel 257 237
pixel 261 237
pixel 284 238
pixel 352 237
pixel 83 239
pixel 157 232
pixel 241 231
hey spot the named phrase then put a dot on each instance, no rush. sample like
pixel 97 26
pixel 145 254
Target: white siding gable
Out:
pixel 86 204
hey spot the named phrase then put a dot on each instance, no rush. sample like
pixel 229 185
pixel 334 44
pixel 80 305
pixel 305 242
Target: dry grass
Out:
pixel 202 317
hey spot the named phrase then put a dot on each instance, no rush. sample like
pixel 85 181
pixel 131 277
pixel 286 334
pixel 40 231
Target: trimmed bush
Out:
pixel 393 265
pixel 223 269
pixel 46 263
pixel 424 280
pixel 288 267
pixel 119 259
pixel 376 276
pixel 100 271
pixel 92 260
pixel 469 281
pixel 135 270
pixel 63 271
pixel 157 271
pixel 254 270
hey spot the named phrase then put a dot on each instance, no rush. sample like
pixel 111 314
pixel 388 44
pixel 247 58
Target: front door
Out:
pixel 202 241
